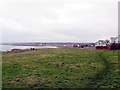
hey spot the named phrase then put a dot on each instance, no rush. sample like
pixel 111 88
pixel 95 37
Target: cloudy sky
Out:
pixel 58 20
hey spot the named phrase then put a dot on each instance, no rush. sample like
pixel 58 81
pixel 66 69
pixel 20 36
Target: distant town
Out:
pixel 58 44
pixel 112 43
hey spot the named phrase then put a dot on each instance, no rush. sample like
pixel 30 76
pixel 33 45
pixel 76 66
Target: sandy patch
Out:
pixel 38 47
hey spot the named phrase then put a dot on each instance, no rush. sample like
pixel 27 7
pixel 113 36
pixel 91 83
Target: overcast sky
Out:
pixel 58 20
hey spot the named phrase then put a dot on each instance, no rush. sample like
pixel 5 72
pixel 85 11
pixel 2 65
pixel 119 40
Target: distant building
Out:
pixel 102 43
pixel 112 44
pixel 113 39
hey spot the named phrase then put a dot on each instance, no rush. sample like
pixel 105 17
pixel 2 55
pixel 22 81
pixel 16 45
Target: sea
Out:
pixel 4 48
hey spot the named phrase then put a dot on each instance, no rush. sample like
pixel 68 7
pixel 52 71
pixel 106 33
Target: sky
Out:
pixel 58 20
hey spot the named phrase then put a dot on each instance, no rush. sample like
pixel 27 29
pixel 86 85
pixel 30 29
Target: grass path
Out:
pixel 97 80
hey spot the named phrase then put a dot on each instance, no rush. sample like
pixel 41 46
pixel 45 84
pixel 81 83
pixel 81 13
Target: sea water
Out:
pixel 4 48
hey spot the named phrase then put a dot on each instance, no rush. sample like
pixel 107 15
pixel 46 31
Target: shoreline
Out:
pixel 38 47
pixel 23 48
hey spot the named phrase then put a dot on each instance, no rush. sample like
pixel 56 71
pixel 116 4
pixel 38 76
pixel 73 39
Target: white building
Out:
pixel 102 43
pixel 115 39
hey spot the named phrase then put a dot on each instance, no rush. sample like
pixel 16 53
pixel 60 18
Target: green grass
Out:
pixel 61 67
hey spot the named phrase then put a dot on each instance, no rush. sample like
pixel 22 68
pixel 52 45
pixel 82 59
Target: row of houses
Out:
pixel 113 43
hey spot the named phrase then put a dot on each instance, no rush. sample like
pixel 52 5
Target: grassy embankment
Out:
pixel 61 67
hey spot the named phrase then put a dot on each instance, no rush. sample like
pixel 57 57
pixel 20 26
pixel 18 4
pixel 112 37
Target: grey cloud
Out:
pixel 64 20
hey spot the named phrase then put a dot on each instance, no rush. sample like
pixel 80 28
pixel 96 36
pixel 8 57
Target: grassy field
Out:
pixel 61 67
